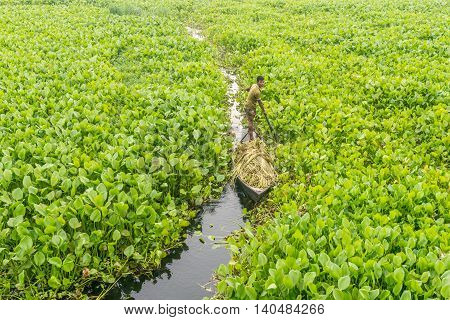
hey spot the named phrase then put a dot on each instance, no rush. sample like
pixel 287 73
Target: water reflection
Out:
pixel 186 272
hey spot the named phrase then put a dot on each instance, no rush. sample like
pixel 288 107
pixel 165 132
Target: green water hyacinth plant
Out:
pixel 358 94
pixel 112 129
pixel 110 135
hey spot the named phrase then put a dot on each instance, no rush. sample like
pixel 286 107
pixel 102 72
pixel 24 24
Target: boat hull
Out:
pixel 253 193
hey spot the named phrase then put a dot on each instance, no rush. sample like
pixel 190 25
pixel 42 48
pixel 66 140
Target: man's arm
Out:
pixel 261 105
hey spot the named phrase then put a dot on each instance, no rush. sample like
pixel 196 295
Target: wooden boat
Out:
pixel 255 194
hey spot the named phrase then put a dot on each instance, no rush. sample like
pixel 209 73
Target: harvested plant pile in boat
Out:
pixel 254 165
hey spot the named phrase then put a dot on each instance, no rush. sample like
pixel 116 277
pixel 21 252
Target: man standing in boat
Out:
pixel 254 96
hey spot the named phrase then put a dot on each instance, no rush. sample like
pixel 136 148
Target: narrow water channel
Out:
pixel 187 272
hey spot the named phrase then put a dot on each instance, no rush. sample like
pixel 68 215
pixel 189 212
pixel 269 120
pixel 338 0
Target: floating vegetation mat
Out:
pixel 254 165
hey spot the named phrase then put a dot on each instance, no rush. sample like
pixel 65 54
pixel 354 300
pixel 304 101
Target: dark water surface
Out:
pixel 190 267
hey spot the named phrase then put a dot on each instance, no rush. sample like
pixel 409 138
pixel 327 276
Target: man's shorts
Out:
pixel 250 113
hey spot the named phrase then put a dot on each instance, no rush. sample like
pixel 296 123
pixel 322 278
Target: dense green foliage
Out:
pixel 111 131
pixel 358 91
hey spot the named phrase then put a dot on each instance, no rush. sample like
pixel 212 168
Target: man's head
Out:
pixel 260 81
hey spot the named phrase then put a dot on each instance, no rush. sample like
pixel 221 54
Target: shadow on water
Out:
pixel 186 272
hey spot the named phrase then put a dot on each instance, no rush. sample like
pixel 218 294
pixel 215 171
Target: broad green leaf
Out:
pixel 406 295
pixel 95 215
pixel 19 210
pixel 251 292
pixel 57 240
pixel 86 259
pixel 26 182
pixel 98 200
pixel 56 261
pixel 323 258
pixel 196 189
pixel 14 222
pixel 309 278
pixel 399 275
pixel 272 286
pixel 338 295
pixel 54 282
pixel 287 281
pixel 39 258
pixel 445 291
pixel 129 251
pixel 17 194
pixel 262 259
pixel 7 175
pixel 222 270
pixel 68 264
pixel 78 204
pixel 74 223
pixel 116 235
pixel 26 243
pixel 343 283
pixel 439 267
